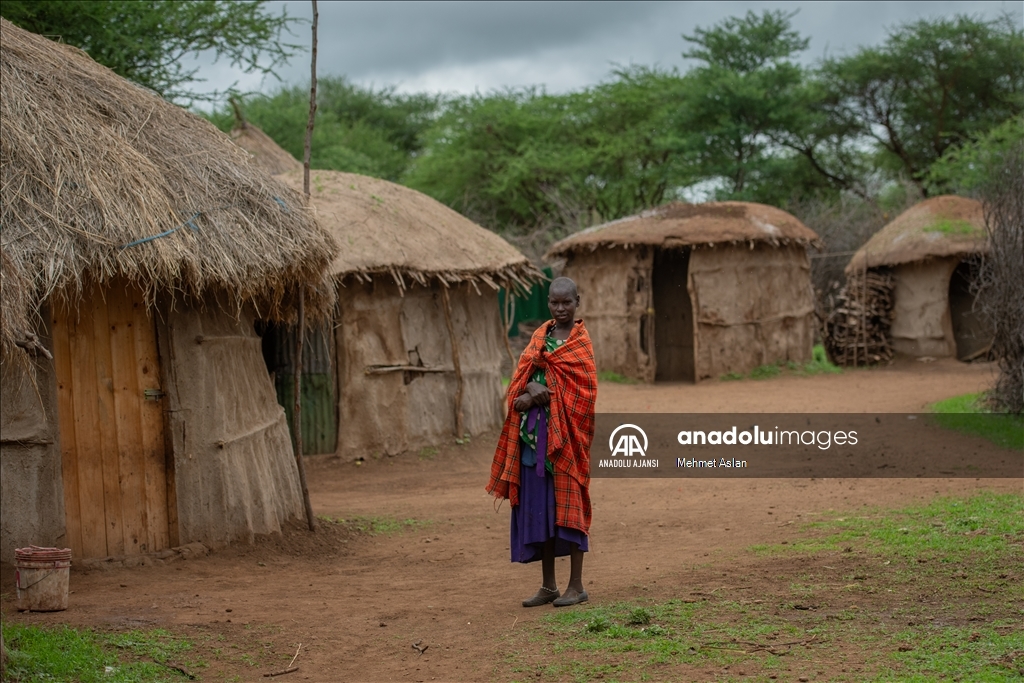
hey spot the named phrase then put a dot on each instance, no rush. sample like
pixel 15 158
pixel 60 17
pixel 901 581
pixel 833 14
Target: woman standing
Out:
pixel 542 462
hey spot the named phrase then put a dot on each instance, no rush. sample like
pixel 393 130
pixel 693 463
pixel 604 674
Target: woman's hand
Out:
pixel 523 403
pixel 539 393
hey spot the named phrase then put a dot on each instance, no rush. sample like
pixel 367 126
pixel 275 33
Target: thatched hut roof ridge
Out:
pixel 385 228
pixel 92 162
pixel 266 153
pixel 679 224
pixel 934 228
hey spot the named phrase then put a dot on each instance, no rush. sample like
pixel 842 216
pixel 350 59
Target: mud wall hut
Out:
pixel 139 247
pixel 932 251
pixel 687 292
pixel 414 352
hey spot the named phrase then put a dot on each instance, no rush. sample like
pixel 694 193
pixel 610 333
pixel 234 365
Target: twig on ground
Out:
pixel 179 668
pixel 282 672
pixel 771 648
pixel 288 669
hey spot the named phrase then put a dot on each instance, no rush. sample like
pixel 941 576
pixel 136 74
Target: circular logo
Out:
pixel 627 443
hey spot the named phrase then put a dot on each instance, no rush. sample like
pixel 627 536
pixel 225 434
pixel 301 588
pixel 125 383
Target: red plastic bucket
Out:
pixel 42 576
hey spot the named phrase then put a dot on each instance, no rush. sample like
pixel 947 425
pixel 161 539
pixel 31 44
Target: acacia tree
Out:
pixel 747 88
pixel 147 41
pixel 376 132
pixel 523 159
pixel 933 85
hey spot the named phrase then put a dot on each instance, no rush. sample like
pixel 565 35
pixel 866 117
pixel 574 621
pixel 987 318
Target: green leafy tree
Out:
pixel 147 41
pixel 972 167
pixel 747 90
pixel 358 130
pixel 932 86
pixel 523 159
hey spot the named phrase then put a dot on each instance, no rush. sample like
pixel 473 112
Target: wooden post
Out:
pixel 459 431
pixel 301 327
pixel 297 410
pixel 509 315
pixel 312 108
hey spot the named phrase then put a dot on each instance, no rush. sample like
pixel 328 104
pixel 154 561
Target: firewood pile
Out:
pixel 856 331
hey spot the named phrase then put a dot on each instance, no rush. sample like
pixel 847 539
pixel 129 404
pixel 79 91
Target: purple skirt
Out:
pixel 533 520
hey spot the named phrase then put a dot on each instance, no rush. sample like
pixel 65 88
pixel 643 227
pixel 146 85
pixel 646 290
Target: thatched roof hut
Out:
pixel 417 337
pixel 688 292
pixel 936 228
pixel 931 251
pixel 142 245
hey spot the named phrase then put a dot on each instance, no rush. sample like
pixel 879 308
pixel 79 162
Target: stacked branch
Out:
pixel 856 330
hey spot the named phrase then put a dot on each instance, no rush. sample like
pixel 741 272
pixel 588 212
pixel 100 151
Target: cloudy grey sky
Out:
pixel 465 47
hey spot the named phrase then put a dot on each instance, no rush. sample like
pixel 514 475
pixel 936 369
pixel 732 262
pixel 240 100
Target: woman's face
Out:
pixel 562 305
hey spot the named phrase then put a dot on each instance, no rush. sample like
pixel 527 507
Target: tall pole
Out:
pixel 312 108
pixel 301 327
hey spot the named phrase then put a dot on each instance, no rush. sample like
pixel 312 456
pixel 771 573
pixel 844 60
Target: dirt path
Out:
pixel 358 603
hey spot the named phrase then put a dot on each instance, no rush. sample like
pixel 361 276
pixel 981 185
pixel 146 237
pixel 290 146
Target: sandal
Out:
pixel 566 601
pixel 543 597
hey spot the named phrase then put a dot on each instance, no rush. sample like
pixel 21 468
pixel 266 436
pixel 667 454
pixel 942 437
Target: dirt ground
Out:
pixel 357 602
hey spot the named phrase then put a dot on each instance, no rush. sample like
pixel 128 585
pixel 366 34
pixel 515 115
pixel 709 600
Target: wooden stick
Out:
pixel 297 410
pixel 508 315
pixel 312 109
pixel 282 672
pixel 459 432
pixel 300 332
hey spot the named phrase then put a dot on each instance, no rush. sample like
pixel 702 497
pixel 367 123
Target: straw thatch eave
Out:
pixel 692 225
pixel 387 229
pixel 934 228
pixel 15 304
pixel 102 179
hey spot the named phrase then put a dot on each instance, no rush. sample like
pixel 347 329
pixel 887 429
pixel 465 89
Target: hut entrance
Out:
pixel 972 335
pixel 673 317
pixel 118 479
pixel 319 410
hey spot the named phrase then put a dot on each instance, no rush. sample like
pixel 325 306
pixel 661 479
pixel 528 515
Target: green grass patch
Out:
pixel 819 364
pixel 969 414
pixel 381 525
pixel 984 653
pixel 980 530
pixel 766 371
pixel 614 378
pixel 66 654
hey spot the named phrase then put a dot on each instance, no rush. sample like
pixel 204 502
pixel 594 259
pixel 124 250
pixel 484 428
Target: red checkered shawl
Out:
pixel 572 382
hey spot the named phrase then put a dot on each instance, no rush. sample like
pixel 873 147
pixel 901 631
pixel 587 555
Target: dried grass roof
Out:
pixel 384 228
pixel 266 153
pixel 102 178
pixel 15 303
pixel 936 227
pixel 679 224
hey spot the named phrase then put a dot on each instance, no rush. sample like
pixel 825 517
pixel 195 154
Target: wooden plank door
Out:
pixel 110 406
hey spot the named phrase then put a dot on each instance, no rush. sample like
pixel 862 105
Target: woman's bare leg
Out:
pixel 547 563
pixel 575 586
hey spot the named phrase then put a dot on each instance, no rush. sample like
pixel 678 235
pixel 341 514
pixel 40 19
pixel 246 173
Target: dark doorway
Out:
pixel 970 331
pixel 319 409
pixel 673 317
